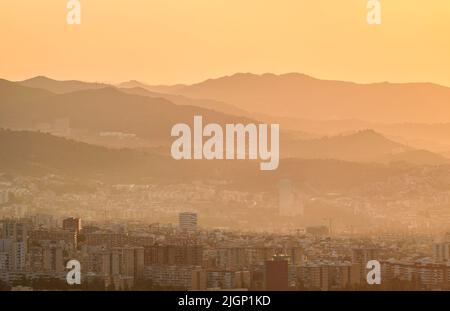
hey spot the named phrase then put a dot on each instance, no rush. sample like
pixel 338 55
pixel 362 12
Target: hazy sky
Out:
pixel 171 41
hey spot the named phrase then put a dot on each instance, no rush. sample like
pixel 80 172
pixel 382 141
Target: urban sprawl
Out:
pixel 164 237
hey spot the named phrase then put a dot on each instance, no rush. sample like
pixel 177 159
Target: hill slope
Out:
pixel 60 87
pixel 366 145
pixel 301 96
pixel 100 110
pixel 130 87
pixel 37 154
pixel 151 119
pixel 186 101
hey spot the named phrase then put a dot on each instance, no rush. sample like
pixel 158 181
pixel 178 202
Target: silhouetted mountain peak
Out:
pixel 302 96
pixel 59 86
pixel 369 134
pixel 40 79
pixel 132 84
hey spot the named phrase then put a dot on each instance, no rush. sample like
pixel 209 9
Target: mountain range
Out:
pixel 96 110
pixel 150 112
pixel 306 97
pixel 61 87
pixel 39 154
pixel 413 113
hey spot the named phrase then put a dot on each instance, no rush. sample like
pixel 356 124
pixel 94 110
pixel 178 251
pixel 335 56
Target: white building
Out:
pixel 4 197
pixel 12 255
pixel 290 202
pixel 441 252
pixel 188 221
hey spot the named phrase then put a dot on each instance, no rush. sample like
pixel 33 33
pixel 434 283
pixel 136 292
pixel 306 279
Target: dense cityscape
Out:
pixel 161 237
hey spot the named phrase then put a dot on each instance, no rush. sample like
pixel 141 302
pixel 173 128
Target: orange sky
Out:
pixel 171 41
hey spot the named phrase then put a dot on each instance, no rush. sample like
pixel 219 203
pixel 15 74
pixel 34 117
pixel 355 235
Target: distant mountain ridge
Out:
pixel 37 154
pixel 99 109
pixel 362 146
pixel 150 117
pixel 186 101
pixel 131 87
pixel 301 96
pixel 61 87
pixel 367 142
